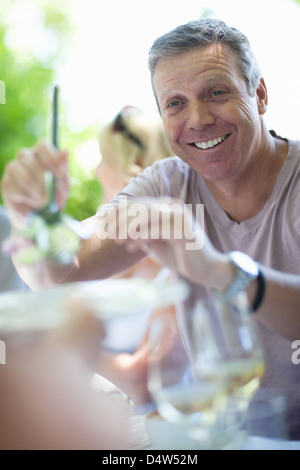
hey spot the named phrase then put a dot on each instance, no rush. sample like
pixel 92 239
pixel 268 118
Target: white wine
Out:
pixel 181 403
pixel 241 376
pixel 244 377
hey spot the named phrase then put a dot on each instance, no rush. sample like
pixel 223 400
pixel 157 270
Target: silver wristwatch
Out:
pixel 247 270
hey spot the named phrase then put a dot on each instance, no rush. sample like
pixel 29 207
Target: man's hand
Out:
pixel 167 230
pixel 23 186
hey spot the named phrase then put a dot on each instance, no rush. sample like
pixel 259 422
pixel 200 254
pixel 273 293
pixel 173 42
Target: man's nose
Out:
pixel 200 115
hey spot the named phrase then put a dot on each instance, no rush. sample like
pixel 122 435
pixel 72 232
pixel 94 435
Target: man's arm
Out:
pixel 95 260
pixel 23 192
pixel 279 310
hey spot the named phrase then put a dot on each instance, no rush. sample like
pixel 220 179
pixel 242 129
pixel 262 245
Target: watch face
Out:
pixel 244 262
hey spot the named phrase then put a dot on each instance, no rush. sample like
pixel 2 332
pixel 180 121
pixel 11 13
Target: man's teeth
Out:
pixel 210 143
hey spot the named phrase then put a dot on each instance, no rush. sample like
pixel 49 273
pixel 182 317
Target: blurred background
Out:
pixel 96 50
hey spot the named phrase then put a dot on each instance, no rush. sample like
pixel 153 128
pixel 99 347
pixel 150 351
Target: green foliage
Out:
pixel 29 78
pixel 86 193
pixel 85 197
pixel 22 118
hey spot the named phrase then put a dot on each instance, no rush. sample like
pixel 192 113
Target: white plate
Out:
pixel 109 299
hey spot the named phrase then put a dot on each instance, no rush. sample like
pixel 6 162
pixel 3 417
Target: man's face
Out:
pixel 210 119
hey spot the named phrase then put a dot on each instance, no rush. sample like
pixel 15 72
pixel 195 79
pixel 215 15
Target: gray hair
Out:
pixel 205 32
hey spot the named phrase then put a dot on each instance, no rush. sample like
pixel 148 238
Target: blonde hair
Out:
pixel 133 140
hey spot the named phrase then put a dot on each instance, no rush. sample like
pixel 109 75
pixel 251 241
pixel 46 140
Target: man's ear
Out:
pixel 262 97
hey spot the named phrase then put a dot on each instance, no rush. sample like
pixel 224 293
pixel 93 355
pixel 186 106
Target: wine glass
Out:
pixel 239 358
pixel 182 397
pixel 204 371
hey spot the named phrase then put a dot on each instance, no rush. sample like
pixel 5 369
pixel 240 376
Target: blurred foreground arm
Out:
pixel 46 397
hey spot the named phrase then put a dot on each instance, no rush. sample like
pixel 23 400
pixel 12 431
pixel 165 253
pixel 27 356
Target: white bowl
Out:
pixel 109 299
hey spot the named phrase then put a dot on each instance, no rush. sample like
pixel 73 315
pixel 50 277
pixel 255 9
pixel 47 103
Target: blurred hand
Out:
pixel 23 186
pixel 81 335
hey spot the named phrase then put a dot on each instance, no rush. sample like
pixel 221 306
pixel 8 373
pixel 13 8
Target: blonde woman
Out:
pixel 132 141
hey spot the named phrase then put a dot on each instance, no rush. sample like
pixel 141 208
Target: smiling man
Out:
pixel 213 114
pixel 212 99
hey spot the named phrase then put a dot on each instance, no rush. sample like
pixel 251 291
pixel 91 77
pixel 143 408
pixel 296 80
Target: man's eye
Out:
pixel 218 93
pixel 173 104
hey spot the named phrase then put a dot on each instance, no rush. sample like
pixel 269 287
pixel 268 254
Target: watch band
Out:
pixel 260 290
pixel 247 271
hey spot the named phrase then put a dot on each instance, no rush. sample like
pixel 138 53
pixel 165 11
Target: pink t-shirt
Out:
pixel 272 237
